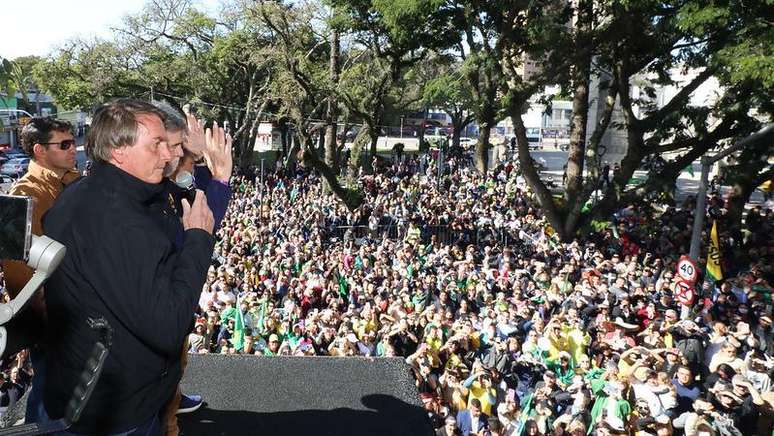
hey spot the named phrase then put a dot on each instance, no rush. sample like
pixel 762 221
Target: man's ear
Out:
pixel 38 149
pixel 117 155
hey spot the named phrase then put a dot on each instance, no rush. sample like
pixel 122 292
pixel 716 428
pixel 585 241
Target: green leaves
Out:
pixel 698 17
pixel 751 60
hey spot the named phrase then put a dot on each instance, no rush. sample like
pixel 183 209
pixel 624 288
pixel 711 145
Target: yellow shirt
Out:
pixel 476 390
pixel 577 341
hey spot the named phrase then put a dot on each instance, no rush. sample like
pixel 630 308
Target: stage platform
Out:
pixel 251 395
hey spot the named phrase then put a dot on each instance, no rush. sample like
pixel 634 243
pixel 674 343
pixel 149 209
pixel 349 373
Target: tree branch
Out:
pixel 677 101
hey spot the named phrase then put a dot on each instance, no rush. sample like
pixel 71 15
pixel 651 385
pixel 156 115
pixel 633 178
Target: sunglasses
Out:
pixel 63 145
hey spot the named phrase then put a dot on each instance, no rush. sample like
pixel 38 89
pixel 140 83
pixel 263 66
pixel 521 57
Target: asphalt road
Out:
pixel 555 160
pixel 80 158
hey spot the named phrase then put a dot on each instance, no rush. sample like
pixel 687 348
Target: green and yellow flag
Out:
pixel 714 272
pixel 238 338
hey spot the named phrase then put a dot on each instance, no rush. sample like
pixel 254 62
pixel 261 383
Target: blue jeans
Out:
pixel 35 398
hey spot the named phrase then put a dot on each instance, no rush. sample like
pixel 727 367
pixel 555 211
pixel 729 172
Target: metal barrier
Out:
pixel 444 234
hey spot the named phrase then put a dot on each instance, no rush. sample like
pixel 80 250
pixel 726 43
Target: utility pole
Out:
pixel 701 196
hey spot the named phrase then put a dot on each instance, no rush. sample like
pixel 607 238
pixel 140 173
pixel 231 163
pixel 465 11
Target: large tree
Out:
pixel 448 91
pixel 482 49
pixel 170 51
pixel 389 38
pixel 643 42
pixel 304 82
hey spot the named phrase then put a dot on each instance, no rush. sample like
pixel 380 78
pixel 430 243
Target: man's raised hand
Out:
pixel 195 142
pixel 217 152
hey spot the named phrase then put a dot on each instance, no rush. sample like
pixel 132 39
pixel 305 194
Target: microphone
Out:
pixel 185 181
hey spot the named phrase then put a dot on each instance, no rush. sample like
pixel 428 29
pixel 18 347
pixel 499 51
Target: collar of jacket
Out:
pixel 121 181
pixel 50 177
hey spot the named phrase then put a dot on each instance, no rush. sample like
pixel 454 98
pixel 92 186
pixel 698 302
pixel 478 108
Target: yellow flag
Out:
pixel 713 256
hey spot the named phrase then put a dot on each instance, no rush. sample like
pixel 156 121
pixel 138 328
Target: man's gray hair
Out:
pixel 114 125
pixel 174 118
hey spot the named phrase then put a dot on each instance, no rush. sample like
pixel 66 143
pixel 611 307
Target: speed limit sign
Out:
pixel 685 293
pixel 687 270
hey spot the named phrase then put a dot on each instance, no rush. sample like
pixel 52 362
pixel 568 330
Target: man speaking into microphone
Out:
pixel 121 266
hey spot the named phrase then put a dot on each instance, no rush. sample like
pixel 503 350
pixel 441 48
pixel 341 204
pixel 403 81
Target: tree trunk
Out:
pixel 581 77
pixel 246 154
pixel 331 115
pixel 284 138
pixel 373 135
pixel 635 149
pixel 331 147
pixel 358 144
pixel 530 173
pixel 421 132
pixel 482 148
pixel 292 156
pixel 456 131
pixel 352 199
pixel 248 135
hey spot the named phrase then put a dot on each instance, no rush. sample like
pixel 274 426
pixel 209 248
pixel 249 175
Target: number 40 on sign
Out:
pixel 687 270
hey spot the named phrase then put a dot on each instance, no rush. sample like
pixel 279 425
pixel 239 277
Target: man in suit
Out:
pixel 471 421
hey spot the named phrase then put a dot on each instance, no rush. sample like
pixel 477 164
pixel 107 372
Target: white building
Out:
pixel 614 142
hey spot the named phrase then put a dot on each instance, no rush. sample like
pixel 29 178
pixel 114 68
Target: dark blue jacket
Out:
pixel 218 194
pixel 218 197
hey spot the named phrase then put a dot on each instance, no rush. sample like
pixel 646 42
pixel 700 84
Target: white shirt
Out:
pixel 474 422
pixel 645 392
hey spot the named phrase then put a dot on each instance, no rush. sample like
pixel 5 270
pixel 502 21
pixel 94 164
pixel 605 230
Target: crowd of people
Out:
pixel 508 331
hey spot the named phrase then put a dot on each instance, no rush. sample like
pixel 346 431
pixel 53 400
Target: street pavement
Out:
pixel 687 184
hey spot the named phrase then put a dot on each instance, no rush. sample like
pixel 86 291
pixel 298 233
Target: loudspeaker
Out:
pixel 255 395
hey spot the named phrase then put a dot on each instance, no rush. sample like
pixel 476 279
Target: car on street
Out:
pixel 15 167
pixel 540 164
pixel 12 153
pixel 467 143
pixel 5 183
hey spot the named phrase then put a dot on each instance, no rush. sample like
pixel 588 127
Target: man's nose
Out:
pixel 164 153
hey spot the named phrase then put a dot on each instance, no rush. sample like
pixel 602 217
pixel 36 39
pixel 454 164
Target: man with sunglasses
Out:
pixel 51 147
pixel 50 144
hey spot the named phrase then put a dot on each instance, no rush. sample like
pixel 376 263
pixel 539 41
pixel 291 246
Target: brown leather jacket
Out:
pixel 43 186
